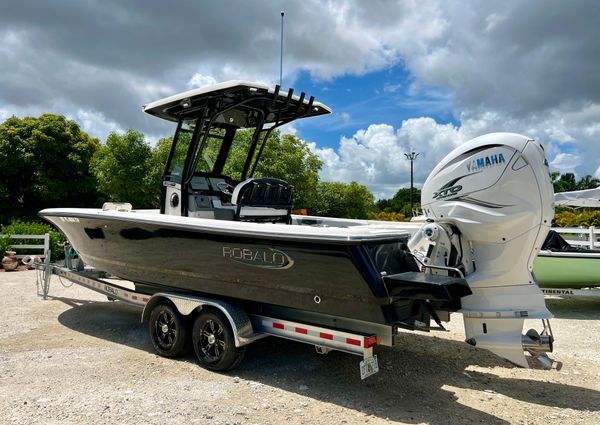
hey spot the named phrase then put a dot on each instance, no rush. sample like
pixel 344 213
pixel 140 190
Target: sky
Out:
pixel 401 76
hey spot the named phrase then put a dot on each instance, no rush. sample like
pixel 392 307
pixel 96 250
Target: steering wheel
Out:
pixel 225 187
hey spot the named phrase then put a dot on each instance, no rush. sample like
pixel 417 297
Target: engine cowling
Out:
pixel 496 190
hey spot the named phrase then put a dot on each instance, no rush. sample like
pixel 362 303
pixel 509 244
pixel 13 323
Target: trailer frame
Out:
pixel 246 327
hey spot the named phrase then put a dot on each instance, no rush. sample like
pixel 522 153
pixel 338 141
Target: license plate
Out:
pixel 368 367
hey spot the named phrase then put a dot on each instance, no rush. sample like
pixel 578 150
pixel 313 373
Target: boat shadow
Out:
pixel 574 308
pixel 416 383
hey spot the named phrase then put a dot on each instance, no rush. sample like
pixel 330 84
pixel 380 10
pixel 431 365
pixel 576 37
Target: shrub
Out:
pixel 388 216
pixel 565 219
pixel 584 218
pixel 5 243
pixel 17 227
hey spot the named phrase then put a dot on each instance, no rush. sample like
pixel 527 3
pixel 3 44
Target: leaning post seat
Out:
pixel 263 199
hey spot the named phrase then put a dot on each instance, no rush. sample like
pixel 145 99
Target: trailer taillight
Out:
pixel 370 341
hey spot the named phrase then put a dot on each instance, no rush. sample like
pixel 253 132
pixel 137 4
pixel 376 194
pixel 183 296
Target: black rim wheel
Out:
pixel 212 341
pixel 168 330
pixel 165 329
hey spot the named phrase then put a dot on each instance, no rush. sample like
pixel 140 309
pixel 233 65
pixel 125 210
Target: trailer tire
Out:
pixel 214 342
pixel 168 330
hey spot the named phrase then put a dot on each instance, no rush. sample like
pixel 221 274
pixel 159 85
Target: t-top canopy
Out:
pixel 277 106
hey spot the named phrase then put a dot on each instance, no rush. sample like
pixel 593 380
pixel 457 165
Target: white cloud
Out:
pixel 4 115
pixel 565 162
pixel 375 156
pixel 288 129
pixel 526 67
pixel 493 20
pixel 96 124
pixel 391 88
pixel 199 80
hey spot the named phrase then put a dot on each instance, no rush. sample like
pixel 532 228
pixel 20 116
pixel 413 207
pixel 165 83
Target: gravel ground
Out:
pixel 77 358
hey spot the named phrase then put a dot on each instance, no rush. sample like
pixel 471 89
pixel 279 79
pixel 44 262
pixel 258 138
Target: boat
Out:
pixel 576 269
pixel 235 239
pixel 559 264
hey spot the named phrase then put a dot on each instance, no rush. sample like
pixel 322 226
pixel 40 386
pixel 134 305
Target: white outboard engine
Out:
pixel 490 206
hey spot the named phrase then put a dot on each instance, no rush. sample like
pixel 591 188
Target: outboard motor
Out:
pixel 489 204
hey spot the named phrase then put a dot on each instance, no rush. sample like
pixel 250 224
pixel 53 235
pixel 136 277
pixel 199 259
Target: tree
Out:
pixel 588 182
pixel 44 162
pixel 563 182
pixel 347 200
pixel 400 202
pixel 126 170
pixel 566 182
pixel 285 157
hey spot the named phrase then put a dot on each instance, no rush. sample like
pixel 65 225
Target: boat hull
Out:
pixel 567 270
pixel 333 277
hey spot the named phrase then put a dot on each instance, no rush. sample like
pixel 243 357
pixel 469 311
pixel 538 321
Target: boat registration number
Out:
pixel 368 367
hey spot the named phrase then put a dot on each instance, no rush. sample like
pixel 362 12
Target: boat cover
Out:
pixel 579 198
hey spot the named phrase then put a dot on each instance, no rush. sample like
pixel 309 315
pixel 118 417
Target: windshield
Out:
pixel 180 148
pixel 209 154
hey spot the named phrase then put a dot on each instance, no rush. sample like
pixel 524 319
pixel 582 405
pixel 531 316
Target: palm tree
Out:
pixel 588 182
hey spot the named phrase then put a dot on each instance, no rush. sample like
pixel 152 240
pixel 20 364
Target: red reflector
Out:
pixel 302 331
pixel 145 299
pixel 133 297
pixel 370 341
pixel 126 294
pixel 278 325
pixel 325 336
pixel 353 341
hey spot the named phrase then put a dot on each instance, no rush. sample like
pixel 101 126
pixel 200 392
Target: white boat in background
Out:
pixel 589 198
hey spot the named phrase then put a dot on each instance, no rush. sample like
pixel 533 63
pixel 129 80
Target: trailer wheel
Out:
pixel 214 343
pixel 168 330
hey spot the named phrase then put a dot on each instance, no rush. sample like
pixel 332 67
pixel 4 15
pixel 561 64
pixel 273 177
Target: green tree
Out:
pixel 347 200
pixel 160 154
pixel 126 170
pixel 44 162
pixel 285 157
pixel 563 182
pixel 400 202
pixel 566 182
pixel 587 182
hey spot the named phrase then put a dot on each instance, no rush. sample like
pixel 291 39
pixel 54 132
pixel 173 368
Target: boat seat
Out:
pixel 263 199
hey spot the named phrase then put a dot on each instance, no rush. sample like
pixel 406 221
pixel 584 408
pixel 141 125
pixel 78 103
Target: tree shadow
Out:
pixel 410 386
pixel 574 308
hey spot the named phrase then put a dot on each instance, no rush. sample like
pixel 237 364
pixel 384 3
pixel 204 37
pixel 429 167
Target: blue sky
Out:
pixel 385 96
pixel 399 74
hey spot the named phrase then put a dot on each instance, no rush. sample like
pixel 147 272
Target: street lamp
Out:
pixel 411 157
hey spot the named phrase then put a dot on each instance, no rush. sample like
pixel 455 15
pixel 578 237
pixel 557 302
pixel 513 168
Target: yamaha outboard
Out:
pixel 489 204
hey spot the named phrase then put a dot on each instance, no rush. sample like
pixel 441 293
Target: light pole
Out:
pixel 411 157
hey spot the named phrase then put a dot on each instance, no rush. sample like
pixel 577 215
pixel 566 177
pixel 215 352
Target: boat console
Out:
pixel 207 144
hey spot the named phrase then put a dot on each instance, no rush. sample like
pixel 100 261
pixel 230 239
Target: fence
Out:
pixel 43 248
pixel 585 237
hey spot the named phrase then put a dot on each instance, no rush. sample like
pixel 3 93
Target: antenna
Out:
pixel 281 52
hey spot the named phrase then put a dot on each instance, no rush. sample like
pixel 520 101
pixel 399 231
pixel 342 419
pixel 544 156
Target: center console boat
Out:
pixel 234 237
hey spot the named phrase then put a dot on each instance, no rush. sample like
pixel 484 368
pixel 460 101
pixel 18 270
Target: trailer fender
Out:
pixel 186 304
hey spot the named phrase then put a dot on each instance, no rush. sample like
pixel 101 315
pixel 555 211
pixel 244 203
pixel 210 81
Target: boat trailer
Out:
pixel 166 314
